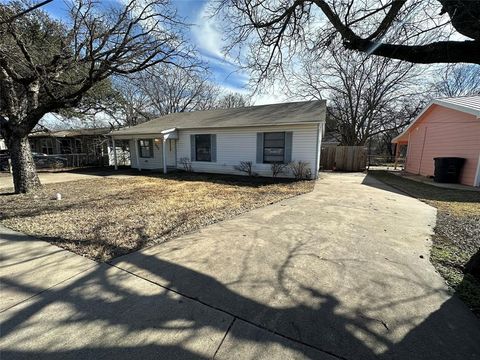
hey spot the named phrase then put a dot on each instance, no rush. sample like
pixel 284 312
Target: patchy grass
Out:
pixel 457 233
pixel 108 217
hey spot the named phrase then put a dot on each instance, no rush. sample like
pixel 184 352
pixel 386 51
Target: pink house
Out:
pixel 445 128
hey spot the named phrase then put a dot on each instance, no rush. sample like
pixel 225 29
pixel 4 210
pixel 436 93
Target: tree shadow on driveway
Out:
pixel 106 312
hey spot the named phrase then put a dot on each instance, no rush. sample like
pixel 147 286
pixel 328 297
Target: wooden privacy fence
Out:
pixel 343 158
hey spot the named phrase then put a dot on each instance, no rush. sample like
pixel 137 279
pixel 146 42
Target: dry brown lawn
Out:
pixel 107 217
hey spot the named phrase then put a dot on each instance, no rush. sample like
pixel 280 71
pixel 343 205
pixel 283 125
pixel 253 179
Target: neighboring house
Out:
pixel 216 141
pixel 79 146
pixel 445 128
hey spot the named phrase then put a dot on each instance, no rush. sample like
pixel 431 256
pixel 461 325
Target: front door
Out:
pixel 171 153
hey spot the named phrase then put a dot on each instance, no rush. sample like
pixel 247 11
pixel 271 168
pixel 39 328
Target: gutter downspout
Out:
pixel 423 148
pixel 318 149
pixel 408 152
pixel 476 181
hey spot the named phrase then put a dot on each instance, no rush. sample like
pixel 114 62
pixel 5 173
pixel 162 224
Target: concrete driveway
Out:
pixel 340 273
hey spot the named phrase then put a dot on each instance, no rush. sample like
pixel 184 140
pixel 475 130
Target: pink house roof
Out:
pixel 467 104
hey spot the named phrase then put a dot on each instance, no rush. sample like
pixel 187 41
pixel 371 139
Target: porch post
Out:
pixel 164 154
pixel 115 163
pixel 137 157
pixel 397 152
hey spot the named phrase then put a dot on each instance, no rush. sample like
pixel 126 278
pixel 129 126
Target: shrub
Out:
pixel 277 169
pixel 187 164
pixel 300 170
pixel 246 167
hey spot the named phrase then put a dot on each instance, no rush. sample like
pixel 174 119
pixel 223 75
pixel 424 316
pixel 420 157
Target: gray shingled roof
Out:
pixel 275 114
pixel 469 104
pixel 72 132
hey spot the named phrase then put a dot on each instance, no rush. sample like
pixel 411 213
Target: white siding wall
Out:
pixel 233 146
pixel 154 163
pixel 240 144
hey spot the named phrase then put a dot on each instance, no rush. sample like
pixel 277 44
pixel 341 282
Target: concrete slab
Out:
pixel 6 180
pixel 245 341
pixel 429 181
pixel 29 263
pixel 344 269
pixel 106 313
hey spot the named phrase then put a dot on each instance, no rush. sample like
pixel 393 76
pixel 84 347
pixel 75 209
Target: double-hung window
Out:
pixel 145 148
pixel 274 147
pixel 203 147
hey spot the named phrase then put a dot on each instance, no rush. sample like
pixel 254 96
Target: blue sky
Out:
pixel 204 33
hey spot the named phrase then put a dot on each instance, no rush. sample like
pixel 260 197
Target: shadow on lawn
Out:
pixel 108 313
pixel 180 175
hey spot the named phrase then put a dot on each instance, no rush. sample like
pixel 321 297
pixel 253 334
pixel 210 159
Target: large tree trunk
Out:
pixel 25 178
pixel 473 265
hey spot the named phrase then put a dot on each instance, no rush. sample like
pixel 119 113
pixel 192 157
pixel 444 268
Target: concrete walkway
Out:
pixel 340 273
pixel 6 180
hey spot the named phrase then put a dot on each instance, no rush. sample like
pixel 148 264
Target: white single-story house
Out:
pixel 217 141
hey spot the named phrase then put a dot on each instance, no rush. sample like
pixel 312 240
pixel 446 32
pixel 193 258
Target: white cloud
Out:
pixel 207 34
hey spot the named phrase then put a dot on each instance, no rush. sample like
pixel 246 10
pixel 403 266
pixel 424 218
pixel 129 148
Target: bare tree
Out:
pixel 233 100
pixel 367 95
pixel 413 31
pixel 47 65
pixel 8 20
pixel 132 106
pixel 458 80
pixel 172 90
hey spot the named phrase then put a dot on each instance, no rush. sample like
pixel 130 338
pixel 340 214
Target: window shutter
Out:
pixel 288 147
pixel 213 147
pixel 150 147
pixel 192 148
pixel 259 148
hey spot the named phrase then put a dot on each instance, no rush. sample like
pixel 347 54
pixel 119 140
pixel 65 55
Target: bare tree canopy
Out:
pixel 47 65
pixel 232 100
pixel 429 31
pixel 367 95
pixel 161 90
pixel 173 90
pixel 458 80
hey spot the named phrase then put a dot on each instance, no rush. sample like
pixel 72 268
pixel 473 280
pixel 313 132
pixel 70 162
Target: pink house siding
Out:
pixel 444 132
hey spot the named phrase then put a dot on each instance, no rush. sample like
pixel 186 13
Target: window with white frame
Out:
pixel 203 147
pixel 145 148
pixel 274 147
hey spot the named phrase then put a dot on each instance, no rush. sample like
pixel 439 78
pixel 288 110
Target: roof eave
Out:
pixel 159 132
pixel 458 107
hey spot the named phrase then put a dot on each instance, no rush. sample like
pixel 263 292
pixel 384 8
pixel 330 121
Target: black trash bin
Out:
pixel 447 169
